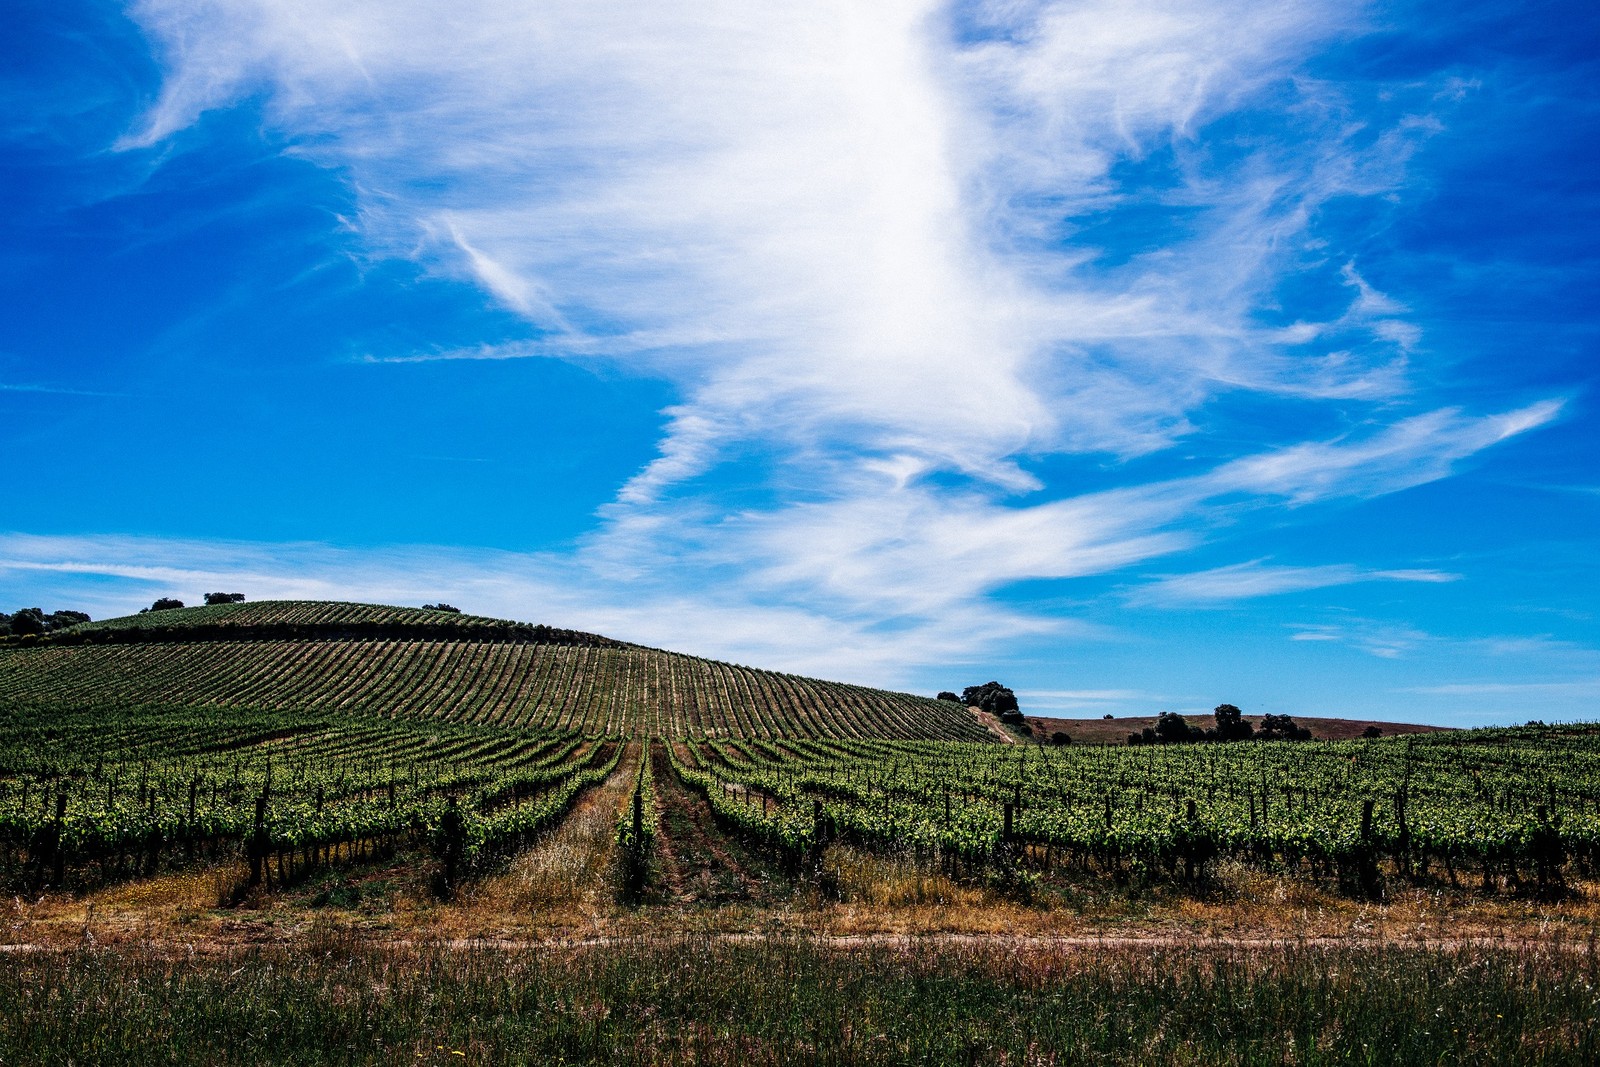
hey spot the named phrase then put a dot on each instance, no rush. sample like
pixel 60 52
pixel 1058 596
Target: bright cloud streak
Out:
pixel 835 225
pixel 1244 581
pixel 103 574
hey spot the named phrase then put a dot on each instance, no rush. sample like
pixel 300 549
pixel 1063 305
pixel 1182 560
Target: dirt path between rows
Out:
pixel 695 861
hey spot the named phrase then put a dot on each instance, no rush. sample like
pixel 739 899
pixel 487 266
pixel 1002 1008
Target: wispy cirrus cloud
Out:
pixel 888 249
pixel 914 551
pixel 1583 687
pixel 53 390
pixel 1085 701
pixel 1384 639
pixel 1258 578
pixel 113 575
pixel 848 219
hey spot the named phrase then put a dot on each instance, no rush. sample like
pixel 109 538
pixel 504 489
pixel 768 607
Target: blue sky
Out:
pixel 1142 356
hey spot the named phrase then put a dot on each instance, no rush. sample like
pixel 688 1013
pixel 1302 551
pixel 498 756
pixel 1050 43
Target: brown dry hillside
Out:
pixel 1116 731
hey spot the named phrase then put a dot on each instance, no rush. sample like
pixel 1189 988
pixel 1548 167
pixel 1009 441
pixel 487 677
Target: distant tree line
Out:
pixel 212 599
pixel 1231 725
pixel 26 621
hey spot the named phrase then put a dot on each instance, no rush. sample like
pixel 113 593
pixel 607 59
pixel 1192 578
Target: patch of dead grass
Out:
pixel 567 881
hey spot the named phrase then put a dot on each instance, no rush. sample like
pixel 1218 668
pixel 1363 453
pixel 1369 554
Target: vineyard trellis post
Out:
pixel 1366 855
pixel 257 848
pixel 451 847
pixel 1548 853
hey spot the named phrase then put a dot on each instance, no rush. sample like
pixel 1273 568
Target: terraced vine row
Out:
pixel 120 756
pixel 522 686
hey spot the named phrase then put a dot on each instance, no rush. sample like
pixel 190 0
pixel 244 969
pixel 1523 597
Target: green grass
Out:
pixel 794 1001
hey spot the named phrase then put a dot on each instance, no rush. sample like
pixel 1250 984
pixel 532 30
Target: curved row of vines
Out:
pixel 523 686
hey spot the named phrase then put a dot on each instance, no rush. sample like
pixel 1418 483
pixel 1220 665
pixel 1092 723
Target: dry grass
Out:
pixel 567 882
pixel 894 880
pixel 666 999
pixel 565 889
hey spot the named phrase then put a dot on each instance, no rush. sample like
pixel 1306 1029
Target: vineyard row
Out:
pixel 517 686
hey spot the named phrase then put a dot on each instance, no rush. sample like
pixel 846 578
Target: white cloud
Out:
pixel 1414 451
pixel 1384 639
pixel 114 575
pixel 1257 578
pixel 835 214
pixel 52 390
pixel 1583 687
pixel 1087 701
pixel 848 233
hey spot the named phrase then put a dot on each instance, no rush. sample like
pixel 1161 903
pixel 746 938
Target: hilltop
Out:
pixel 314 619
pixel 321 657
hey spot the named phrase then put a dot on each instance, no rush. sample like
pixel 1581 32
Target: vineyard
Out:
pixel 321 659
pixel 97 795
pixel 88 797
pixel 290 738
pixel 1514 809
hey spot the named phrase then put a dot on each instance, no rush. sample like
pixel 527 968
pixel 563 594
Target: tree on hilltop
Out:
pixel 35 621
pixel 1231 724
pixel 991 697
pixel 1172 728
pixel 27 621
pixel 1282 728
pixel 224 598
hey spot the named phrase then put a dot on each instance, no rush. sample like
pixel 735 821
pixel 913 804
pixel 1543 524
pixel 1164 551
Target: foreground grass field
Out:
pixel 791 1000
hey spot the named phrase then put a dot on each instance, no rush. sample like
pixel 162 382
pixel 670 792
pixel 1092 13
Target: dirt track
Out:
pixel 847 942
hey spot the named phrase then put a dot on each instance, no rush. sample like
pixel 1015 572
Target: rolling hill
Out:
pixel 360 659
